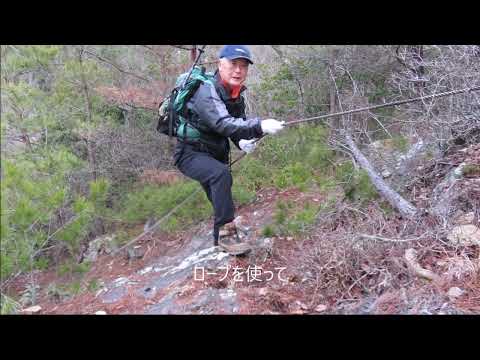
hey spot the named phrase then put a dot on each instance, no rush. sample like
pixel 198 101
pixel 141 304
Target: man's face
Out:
pixel 233 72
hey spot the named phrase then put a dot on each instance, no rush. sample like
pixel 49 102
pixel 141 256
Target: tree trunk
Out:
pixel 333 88
pixel 417 54
pixel 397 201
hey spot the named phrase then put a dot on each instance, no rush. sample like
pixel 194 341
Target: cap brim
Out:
pixel 239 57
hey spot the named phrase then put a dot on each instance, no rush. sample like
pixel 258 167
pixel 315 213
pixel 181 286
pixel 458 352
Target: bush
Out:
pixel 289 219
pixel 268 231
pixel 155 202
pixel 356 183
pixel 400 143
pixel 301 221
pixel 289 159
pixel 252 174
pixel 8 306
pixel 297 174
pixel 34 190
pixel 242 195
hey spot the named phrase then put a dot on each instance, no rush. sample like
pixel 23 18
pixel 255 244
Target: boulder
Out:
pixel 454 292
pixel 104 244
pixel 321 308
pixel 31 310
pixel 465 219
pixel 464 235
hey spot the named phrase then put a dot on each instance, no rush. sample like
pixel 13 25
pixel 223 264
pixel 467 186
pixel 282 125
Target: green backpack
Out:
pixel 172 119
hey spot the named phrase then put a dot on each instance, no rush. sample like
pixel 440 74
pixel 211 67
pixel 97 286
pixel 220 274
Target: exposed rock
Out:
pixel 102 290
pixel 121 281
pixel 114 295
pixel 31 309
pixel 465 219
pixel 445 193
pixel 105 244
pixel 321 308
pixel 454 292
pixel 386 174
pixel 240 224
pixel 135 252
pixel 458 267
pixel 205 301
pixel 146 270
pixel 464 235
pixel 298 308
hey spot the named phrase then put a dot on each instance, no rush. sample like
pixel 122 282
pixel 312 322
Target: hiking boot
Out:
pixel 241 226
pixel 230 242
pixel 228 230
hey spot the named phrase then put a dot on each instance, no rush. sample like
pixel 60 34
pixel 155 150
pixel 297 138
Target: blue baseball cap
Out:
pixel 236 52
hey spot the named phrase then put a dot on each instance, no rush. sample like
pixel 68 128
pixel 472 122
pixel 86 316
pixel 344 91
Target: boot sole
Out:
pixel 235 252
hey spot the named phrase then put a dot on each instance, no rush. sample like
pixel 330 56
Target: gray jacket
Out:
pixel 218 117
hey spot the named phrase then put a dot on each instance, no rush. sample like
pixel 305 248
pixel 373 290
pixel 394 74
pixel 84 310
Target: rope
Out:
pixel 393 103
pixel 294 122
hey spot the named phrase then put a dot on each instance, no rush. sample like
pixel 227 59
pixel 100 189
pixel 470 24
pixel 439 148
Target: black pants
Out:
pixel 216 180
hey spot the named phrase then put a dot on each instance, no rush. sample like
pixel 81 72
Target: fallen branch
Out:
pixel 411 259
pixel 376 237
pixel 394 198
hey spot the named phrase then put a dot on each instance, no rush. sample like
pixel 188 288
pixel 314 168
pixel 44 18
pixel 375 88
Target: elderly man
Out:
pixel 218 110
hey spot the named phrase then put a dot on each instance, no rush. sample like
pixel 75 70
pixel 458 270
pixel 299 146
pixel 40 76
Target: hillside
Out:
pixel 335 267
pixel 351 209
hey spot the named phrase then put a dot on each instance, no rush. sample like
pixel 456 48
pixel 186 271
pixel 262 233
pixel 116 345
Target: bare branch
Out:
pixel 116 66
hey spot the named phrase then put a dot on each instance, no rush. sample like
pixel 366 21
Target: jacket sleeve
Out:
pixel 213 113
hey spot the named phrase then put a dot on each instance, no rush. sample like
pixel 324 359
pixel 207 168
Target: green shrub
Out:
pixel 268 231
pixel 301 221
pixel 471 170
pixel 356 183
pixel 400 143
pixel 93 285
pixel 319 156
pixel 71 267
pixel 8 306
pixel 289 159
pixel 242 195
pixel 252 174
pixel 34 188
pixel 325 183
pixel 281 213
pixel 56 292
pixel 155 202
pixel 365 189
pixel 289 219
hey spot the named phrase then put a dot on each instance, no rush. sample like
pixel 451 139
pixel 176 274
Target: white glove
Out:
pixel 271 126
pixel 247 145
